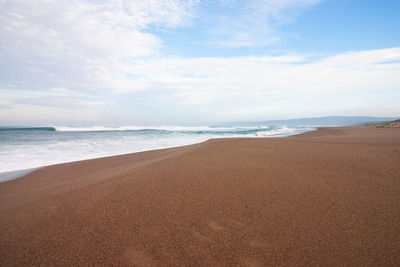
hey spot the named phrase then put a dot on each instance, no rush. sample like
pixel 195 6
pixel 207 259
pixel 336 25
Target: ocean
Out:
pixel 31 147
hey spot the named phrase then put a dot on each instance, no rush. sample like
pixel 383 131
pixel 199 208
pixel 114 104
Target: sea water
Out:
pixel 32 147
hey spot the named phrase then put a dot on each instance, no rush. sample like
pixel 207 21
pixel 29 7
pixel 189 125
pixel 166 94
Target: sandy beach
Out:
pixel 330 197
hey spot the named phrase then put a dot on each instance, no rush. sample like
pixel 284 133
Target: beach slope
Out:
pixel 330 197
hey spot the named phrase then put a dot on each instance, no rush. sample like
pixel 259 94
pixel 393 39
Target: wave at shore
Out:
pixel 31 147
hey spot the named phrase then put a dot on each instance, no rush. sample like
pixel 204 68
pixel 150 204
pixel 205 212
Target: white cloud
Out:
pixel 74 43
pixel 64 56
pixel 79 45
pixel 288 84
pixel 247 88
pixel 349 71
pixel 253 23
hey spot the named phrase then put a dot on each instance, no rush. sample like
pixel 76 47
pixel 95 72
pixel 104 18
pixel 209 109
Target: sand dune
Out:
pixel 328 197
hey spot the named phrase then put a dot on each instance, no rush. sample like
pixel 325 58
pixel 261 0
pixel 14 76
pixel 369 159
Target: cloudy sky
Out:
pixel 135 62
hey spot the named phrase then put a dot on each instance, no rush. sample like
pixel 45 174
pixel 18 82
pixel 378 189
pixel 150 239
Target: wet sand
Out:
pixel 330 197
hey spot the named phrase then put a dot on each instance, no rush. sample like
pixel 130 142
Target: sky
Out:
pixel 176 62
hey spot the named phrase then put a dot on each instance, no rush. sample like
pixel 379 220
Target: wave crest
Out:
pixel 159 128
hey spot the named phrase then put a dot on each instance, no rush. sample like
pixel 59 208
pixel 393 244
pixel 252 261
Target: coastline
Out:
pixel 11 175
pixel 20 173
pixel 325 197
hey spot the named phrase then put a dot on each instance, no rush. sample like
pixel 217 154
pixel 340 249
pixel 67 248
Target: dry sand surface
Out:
pixel 328 198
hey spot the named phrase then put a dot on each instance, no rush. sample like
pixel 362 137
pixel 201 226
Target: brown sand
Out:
pixel 329 198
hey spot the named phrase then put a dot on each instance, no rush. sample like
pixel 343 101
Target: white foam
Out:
pixel 47 148
pixel 161 128
pixel 11 175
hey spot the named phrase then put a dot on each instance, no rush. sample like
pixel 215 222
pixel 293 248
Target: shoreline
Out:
pixel 12 175
pixel 328 197
pixel 20 173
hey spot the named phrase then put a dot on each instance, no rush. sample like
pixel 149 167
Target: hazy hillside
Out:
pixel 320 121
